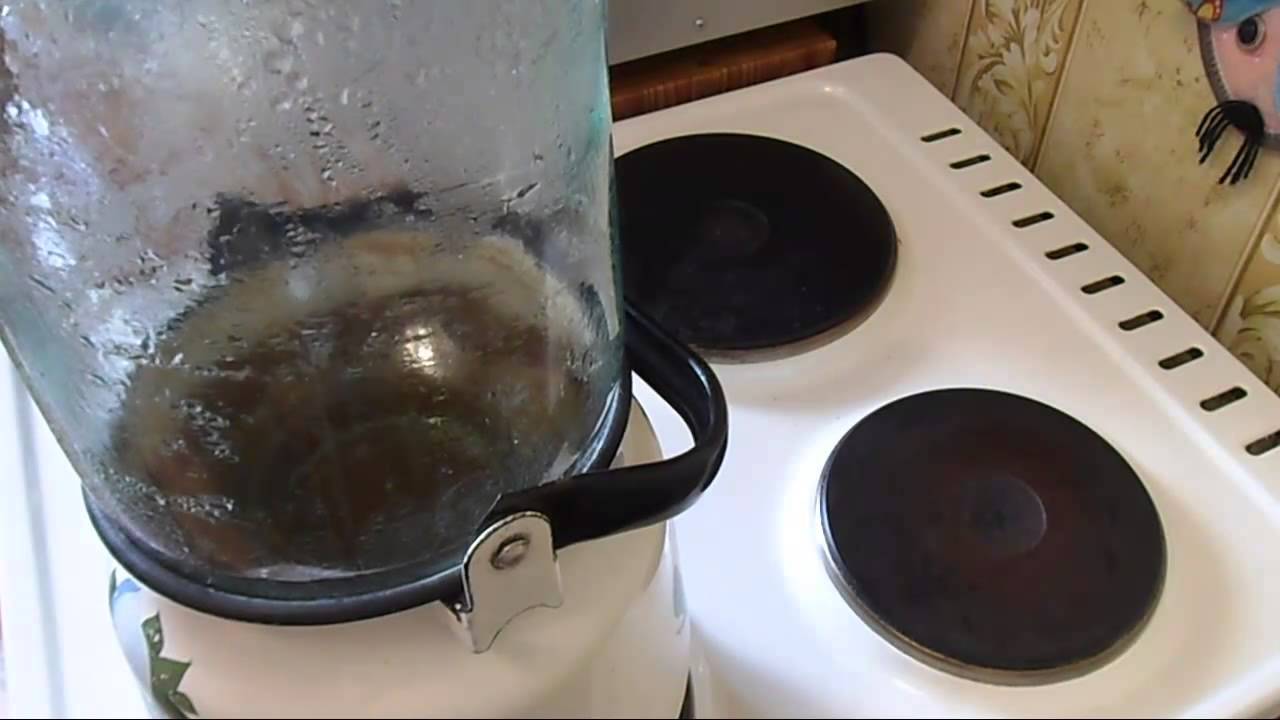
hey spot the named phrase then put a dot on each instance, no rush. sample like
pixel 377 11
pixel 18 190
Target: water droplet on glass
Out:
pixel 39 123
pixel 277 61
pixel 42 284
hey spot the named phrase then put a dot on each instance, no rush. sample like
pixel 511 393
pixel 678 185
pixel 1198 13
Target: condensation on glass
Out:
pixel 301 287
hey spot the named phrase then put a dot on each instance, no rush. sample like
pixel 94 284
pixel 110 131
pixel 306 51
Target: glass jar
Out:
pixel 301 288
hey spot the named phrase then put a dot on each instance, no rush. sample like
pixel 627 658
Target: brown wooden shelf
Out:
pixel 680 76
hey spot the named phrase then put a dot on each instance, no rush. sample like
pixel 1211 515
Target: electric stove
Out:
pixel 979 465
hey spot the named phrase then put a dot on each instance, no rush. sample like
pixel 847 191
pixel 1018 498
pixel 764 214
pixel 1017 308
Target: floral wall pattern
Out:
pixel 1101 99
pixel 1251 325
pixel 1011 66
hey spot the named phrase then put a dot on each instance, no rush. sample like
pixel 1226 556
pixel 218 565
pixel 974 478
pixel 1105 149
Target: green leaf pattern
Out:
pixel 166 673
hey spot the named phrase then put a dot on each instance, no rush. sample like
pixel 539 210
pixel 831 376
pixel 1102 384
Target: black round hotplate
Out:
pixel 991 535
pixel 741 242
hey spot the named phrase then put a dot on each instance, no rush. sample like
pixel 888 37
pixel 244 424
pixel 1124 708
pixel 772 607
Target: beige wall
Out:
pixel 1101 98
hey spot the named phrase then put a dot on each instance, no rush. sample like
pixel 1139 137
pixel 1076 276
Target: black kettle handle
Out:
pixel 606 502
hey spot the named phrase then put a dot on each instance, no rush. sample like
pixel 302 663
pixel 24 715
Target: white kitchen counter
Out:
pixel 60 654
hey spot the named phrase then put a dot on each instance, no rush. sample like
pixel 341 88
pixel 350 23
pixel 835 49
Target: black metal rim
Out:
pixel 597 502
pixel 854 255
pixel 321 601
pixel 1004 671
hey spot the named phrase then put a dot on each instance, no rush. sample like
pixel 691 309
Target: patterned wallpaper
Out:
pixel 1012 66
pixel 1101 98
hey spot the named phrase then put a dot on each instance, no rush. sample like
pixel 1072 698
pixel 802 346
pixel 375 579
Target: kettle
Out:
pixel 323 304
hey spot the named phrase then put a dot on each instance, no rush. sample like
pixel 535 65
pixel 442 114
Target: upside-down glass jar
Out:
pixel 303 288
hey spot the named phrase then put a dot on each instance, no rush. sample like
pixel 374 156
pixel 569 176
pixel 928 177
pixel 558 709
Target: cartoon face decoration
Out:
pixel 1240 45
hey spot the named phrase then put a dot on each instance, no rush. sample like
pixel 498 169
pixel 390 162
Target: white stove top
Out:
pixel 974 302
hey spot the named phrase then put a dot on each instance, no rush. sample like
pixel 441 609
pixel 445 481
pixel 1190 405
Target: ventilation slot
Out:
pixel 1176 361
pixel 1030 220
pixel 1067 251
pixel 941 135
pixel 1140 321
pixel 1262 446
pixel 970 162
pixel 1221 400
pixel 999 190
pixel 1098 286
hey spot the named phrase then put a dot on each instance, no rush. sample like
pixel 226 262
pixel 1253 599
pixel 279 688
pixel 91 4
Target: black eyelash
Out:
pixel 1246 118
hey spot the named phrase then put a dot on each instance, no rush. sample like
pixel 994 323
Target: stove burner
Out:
pixel 739 242
pixel 991 536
